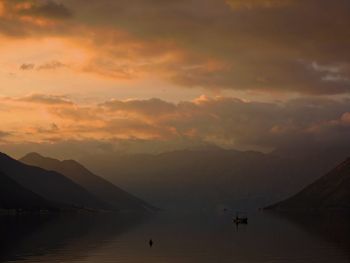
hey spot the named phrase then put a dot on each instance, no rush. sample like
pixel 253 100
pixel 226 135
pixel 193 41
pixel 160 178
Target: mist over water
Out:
pixel 178 237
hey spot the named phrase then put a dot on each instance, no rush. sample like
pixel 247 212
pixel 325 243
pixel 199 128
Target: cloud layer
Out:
pixel 273 73
pixel 222 121
pixel 245 45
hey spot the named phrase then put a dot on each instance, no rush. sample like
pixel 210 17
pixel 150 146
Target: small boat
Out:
pixel 240 220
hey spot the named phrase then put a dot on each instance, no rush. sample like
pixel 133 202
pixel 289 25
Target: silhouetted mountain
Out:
pixel 212 177
pixel 15 196
pixel 330 192
pixel 104 190
pixel 49 185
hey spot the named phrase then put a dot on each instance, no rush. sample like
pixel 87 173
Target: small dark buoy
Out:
pixel 150 242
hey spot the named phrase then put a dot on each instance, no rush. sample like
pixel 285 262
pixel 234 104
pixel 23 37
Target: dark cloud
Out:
pixel 33 18
pixel 259 46
pixel 47 9
pixel 4 134
pixel 51 65
pixel 27 66
pixel 287 76
pixel 45 99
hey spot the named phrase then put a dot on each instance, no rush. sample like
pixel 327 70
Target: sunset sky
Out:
pixel 157 75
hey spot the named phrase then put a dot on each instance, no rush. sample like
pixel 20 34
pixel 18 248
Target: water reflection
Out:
pixel 176 237
pixel 62 238
pixel 333 228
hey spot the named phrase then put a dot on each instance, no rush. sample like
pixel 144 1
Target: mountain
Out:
pixel 215 177
pixel 50 185
pixel 15 196
pixel 104 190
pixel 330 192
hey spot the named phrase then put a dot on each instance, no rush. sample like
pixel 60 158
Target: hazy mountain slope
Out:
pixel 100 187
pixel 331 191
pixel 15 196
pixel 48 184
pixel 205 178
pixel 180 179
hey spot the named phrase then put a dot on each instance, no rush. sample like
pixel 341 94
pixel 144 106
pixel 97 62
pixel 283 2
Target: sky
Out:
pixel 158 75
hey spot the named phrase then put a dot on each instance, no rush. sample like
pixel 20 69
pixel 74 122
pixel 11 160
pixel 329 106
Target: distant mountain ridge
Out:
pixel 49 185
pixel 212 177
pixel 99 187
pixel 330 192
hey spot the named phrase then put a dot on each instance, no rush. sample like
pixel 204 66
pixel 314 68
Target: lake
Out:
pixel 178 237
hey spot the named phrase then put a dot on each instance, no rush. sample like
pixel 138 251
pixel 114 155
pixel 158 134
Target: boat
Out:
pixel 240 220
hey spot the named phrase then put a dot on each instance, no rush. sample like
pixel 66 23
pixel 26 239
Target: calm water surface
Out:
pixel 204 237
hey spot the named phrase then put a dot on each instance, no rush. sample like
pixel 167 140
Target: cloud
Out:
pixel 54 64
pixel 251 51
pixel 258 48
pixel 4 134
pixel 27 66
pixel 223 121
pixel 43 99
pixel 51 65
pixel 22 18
pixel 47 9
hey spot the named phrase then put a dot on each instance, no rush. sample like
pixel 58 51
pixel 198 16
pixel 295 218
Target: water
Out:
pixel 204 237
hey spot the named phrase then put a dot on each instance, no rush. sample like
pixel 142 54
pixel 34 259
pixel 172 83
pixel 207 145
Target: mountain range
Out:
pixel 31 187
pixel 13 196
pixel 212 177
pixel 99 187
pixel 188 179
pixel 330 192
